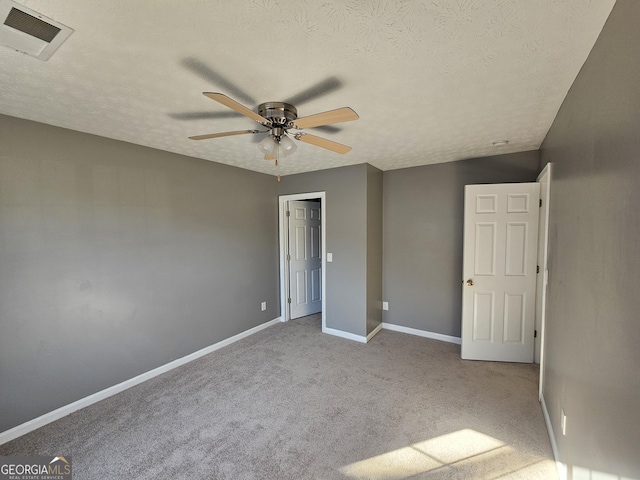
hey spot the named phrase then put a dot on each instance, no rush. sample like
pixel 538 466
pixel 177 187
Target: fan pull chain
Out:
pixel 277 169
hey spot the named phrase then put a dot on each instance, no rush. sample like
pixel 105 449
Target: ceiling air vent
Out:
pixel 27 31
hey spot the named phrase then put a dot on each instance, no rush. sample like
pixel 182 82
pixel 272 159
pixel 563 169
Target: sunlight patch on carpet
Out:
pixel 469 451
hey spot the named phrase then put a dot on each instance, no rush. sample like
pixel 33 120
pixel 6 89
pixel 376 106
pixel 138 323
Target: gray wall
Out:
pixel 116 259
pixel 374 248
pixel 346 236
pixel 592 333
pixel 423 225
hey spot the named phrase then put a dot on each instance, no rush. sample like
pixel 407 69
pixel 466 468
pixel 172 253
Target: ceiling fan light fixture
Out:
pixel 287 145
pixel 267 146
pixel 279 152
pixel 277 146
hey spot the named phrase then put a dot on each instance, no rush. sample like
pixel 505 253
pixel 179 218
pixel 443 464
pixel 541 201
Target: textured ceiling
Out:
pixel 432 80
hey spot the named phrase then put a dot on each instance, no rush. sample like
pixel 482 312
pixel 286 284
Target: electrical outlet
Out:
pixel 563 422
pixel 385 305
pixel 263 306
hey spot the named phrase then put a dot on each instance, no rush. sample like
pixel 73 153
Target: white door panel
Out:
pixel 305 266
pixel 499 268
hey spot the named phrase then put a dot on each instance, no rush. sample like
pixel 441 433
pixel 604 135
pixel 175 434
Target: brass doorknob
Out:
pixel 469 283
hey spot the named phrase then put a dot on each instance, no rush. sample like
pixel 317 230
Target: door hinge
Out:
pixel 289 258
pixel 537 268
pixel 540 203
pixel 288 213
pixel 535 333
pixel 288 300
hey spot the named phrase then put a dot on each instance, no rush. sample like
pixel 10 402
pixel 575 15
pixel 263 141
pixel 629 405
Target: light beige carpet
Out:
pixel 292 403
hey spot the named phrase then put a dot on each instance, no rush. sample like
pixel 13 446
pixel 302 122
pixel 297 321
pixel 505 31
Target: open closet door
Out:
pixel 305 260
pixel 499 271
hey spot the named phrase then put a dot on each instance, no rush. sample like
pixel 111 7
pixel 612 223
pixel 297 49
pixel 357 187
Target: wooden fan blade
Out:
pixel 344 114
pixel 222 134
pixel 323 143
pixel 238 107
pixel 269 157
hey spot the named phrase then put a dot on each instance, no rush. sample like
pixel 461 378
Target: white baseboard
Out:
pixel 57 414
pixel 395 328
pixel 347 335
pixel 562 469
pixel 374 332
pixel 422 333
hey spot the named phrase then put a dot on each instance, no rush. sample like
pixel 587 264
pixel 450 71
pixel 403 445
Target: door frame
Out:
pixel 543 259
pixel 283 230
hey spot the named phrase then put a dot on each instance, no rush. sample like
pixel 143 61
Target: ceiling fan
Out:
pixel 279 118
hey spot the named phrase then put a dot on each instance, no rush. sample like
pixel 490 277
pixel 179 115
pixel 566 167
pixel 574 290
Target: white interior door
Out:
pixel 499 271
pixel 305 261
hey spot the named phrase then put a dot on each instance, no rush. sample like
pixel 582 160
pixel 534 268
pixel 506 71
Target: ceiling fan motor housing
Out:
pixel 280 114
